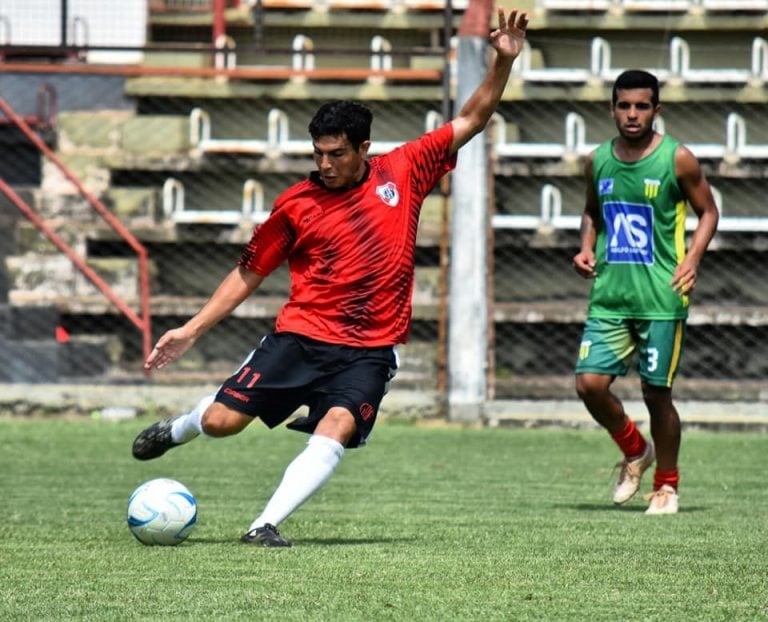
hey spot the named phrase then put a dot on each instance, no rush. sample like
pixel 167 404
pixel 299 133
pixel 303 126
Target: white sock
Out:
pixel 188 426
pixel 303 477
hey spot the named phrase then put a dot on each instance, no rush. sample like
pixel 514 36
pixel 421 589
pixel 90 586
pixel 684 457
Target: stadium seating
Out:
pixel 550 216
pixel 530 67
pixel 193 161
pixel 654 6
pixel 252 210
pixel 277 142
pixel 735 5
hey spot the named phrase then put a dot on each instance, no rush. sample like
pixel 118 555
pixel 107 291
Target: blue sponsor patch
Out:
pixel 604 186
pixel 629 230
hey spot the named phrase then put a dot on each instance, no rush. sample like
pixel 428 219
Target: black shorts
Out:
pixel 288 371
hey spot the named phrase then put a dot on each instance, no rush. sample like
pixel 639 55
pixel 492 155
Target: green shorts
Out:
pixel 607 346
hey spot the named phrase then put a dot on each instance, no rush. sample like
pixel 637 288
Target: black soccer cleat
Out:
pixel 265 536
pixel 154 441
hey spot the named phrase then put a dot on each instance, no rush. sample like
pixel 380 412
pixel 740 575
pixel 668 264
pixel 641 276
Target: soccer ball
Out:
pixel 161 511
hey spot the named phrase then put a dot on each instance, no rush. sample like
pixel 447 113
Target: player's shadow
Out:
pixel 315 541
pixel 631 509
pixel 352 541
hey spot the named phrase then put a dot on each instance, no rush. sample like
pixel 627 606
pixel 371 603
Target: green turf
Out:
pixel 424 524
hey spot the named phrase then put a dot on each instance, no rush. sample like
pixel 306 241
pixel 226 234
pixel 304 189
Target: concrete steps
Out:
pixel 33 348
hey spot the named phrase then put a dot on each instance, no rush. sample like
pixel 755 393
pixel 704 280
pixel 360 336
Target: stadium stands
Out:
pixel 191 160
pixel 252 210
pixel 654 6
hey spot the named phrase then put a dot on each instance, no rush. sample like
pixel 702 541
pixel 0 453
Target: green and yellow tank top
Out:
pixel 641 235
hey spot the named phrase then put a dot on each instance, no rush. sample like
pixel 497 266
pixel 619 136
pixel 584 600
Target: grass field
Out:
pixel 424 524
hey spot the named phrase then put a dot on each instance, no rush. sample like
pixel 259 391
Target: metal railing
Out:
pixel 141 320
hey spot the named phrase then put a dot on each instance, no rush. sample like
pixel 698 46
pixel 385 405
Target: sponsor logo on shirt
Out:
pixel 388 193
pixel 604 186
pixel 629 227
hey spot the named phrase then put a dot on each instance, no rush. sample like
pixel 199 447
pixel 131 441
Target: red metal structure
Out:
pixel 219 20
pixel 46 110
pixel 266 74
pixel 140 320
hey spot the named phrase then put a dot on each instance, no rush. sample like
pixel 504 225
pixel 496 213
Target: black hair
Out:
pixel 342 117
pixel 637 79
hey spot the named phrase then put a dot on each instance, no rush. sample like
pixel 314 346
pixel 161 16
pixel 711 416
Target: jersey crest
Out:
pixel 629 229
pixel 651 187
pixel 388 193
pixel 605 186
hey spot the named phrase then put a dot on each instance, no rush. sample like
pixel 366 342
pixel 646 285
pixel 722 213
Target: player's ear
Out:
pixel 363 149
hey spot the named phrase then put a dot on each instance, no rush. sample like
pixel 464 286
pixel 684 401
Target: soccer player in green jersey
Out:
pixel 633 246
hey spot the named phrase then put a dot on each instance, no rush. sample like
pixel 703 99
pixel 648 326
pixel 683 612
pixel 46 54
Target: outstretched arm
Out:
pixel 234 289
pixel 474 115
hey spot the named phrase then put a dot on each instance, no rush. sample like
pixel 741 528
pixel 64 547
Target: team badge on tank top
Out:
pixel 388 193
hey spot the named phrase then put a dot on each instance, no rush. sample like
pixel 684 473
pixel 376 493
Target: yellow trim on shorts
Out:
pixel 676 351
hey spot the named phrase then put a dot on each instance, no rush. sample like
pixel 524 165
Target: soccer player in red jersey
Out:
pixel 348 233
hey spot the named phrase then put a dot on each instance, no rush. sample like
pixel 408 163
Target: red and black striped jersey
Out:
pixel 351 251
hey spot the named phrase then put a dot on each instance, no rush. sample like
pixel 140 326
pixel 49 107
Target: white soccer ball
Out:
pixel 161 511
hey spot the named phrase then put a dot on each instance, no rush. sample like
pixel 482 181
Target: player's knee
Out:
pixel 588 386
pixel 582 386
pixel 218 420
pixel 656 395
pixel 338 424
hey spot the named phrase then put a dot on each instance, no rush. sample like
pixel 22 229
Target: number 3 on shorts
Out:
pixel 653 359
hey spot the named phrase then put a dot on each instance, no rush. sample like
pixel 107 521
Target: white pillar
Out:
pixel 467 304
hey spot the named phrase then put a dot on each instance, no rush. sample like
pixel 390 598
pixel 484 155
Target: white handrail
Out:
pixel 278 141
pixel 736 133
pixel 225 57
pixel 759 68
pixel 551 203
pixel 433 119
pixel 251 207
pixel 173 197
pixel 575 133
pixel 199 126
pixel 600 57
pixel 303 56
pixel 734 5
pixel 574 143
pixel 498 129
pixel 277 129
pixel 679 57
pixel 523 63
pixel 381 57
pixel 658 5
pixel 253 201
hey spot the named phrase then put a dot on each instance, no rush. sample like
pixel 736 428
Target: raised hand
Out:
pixel 508 38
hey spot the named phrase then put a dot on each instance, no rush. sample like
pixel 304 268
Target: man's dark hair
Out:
pixel 342 117
pixel 637 79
